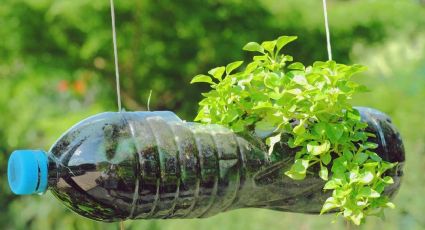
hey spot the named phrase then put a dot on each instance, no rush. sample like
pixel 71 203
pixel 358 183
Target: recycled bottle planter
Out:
pixel 147 165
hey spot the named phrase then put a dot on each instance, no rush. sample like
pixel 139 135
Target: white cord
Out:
pixel 328 36
pixel 117 72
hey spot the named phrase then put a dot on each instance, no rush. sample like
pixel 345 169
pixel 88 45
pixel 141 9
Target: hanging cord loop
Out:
pixel 328 36
pixel 117 72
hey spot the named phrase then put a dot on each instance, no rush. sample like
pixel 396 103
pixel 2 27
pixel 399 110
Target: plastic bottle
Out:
pixel 145 165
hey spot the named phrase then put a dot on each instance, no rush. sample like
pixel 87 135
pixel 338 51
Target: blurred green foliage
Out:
pixel 56 68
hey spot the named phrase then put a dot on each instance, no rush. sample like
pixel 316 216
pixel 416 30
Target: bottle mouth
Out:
pixel 27 172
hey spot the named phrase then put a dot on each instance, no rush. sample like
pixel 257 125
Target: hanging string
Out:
pixel 328 36
pixel 117 72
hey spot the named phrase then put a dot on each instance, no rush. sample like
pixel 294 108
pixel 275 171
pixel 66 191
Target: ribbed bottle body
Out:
pixel 134 165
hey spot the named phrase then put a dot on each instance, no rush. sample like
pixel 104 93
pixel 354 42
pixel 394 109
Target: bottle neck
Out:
pixel 52 172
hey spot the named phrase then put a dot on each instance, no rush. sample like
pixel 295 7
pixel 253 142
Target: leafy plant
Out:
pixel 274 96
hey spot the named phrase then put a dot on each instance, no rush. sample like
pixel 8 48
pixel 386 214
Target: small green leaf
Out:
pixel 298 170
pixel 298 140
pixel 260 58
pixel 295 175
pixel 269 46
pixel 296 66
pixel 300 79
pixel 354 115
pixel 388 180
pixel 251 67
pixel 360 157
pixel 386 165
pixel 339 166
pixel 348 155
pixel 202 78
pixel 271 141
pixel 330 185
pixel 357 218
pixel 299 129
pixel 253 47
pixel 217 73
pixel 238 126
pixel 374 156
pixel 334 132
pixel 390 205
pixel 275 96
pixel 328 205
pixel 232 66
pixel 326 158
pixel 295 91
pixel 368 192
pixel 288 58
pixel 348 212
pixel 320 128
pixel 317 149
pixel 366 178
pixel 323 173
pixel 371 145
pixel 272 80
pixel 262 105
pixel 370 166
pixel 284 40
pixel 301 165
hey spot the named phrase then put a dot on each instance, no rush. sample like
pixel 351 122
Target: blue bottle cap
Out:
pixel 27 172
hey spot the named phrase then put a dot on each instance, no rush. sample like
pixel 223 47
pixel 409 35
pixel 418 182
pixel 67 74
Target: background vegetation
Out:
pixel 56 68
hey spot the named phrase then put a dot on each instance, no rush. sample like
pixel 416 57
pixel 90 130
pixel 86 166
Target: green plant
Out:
pixel 270 94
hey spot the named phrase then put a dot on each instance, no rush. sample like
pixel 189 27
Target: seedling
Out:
pixel 274 96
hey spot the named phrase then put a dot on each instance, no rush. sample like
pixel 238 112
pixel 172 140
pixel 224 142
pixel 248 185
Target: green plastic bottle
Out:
pixel 152 165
